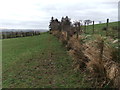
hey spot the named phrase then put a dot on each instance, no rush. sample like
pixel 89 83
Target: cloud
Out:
pixel 37 13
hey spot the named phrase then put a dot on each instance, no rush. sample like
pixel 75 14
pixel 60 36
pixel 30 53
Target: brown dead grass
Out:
pixel 76 51
pixel 106 67
pixel 88 55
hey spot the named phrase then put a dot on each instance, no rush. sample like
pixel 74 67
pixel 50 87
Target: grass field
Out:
pixel 38 62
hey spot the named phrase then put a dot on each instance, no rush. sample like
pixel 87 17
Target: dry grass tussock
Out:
pixel 105 66
pixel 74 43
pixel 76 50
pixel 95 65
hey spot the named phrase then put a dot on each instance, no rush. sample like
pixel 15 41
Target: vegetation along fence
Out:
pixel 83 27
pixel 94 47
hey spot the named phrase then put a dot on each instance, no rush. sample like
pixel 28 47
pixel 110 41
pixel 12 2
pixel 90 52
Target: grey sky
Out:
pixel 37 13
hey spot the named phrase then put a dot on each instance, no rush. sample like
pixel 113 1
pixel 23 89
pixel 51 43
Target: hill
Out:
pixel 101 29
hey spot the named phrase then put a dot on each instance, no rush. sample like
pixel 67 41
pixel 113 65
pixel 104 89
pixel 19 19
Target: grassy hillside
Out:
pixel 100 26
pixel 38 61
pixel 99 29
pixel 108 39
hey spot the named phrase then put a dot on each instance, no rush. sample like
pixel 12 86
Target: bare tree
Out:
pixel 54 24
pixel 88 22
pixel 51 23
pixel 77 25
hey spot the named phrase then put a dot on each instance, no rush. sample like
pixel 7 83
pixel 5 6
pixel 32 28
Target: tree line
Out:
pixel 66 25
pixel 18 34
pixel 79 27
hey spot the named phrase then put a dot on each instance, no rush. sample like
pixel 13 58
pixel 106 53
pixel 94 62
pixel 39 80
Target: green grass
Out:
pixel 98 29
pixel 38 62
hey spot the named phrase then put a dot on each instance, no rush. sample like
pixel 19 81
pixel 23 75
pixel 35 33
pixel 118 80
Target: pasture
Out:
pixel 38 62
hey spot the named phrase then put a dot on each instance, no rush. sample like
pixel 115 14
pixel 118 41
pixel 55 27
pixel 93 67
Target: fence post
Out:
pixel 107 27
pixel 85 28
pixel 101 44
pixel 77 29
pixel 67 35
pixel 93 27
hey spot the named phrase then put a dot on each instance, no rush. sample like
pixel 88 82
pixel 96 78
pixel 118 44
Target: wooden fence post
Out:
pixel 67 35
pixel 107 27
pixel 101 44
pixel 85 28
pixel 77 29
pixel 93 27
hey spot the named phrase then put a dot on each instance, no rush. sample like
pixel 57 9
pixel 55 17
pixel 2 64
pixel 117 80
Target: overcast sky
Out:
pixel 37 13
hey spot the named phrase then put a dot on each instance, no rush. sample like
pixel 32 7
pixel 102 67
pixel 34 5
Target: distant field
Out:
pixel 38 61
